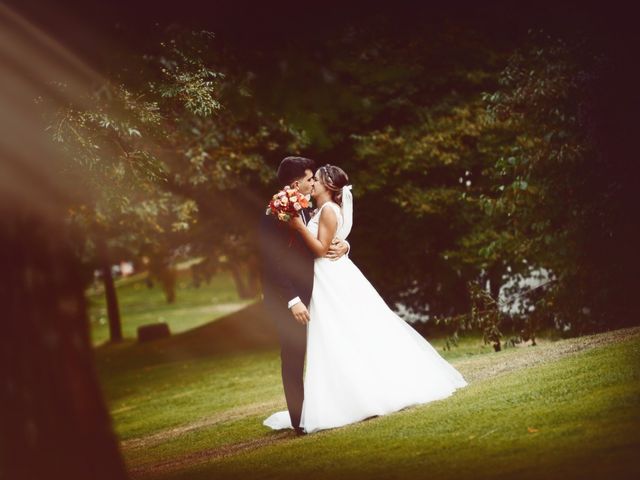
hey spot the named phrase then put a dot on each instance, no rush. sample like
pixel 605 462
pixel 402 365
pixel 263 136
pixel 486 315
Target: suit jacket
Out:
pixel 287 263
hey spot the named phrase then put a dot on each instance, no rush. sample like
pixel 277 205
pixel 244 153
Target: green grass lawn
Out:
pixel 183 416
pixel 573 418
pixel 140 305
pixel 150 388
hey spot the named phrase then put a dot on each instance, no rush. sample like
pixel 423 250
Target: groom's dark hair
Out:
pixel 293 168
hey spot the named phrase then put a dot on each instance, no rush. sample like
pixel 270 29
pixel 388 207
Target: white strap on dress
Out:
pixel 338 211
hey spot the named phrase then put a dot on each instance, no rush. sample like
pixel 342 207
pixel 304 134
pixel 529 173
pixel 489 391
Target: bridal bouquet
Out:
pixel 287 203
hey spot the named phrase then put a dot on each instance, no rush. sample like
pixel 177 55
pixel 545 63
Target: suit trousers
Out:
pixel 293 347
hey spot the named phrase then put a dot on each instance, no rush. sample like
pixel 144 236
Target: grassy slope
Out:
pixel 230 363
pixel 191 406
pixel 140 305
pixel 584 409
pixel 573 418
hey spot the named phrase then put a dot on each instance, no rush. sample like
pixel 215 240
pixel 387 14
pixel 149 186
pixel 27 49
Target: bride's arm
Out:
pixel 327 228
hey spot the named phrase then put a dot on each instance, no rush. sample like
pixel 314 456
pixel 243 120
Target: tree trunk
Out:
pixel 161 269
pixel 111 297
pixel 238 279
pixel 54 423
pixel 495 281
pixel 253 283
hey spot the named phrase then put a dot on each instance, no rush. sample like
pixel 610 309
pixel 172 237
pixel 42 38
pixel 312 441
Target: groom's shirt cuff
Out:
pixel 293 301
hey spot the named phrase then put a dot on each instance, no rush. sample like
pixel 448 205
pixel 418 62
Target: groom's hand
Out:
pixel 337 249
pixel 300 313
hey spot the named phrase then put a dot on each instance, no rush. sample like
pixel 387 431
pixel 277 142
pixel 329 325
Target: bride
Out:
pixel 362 359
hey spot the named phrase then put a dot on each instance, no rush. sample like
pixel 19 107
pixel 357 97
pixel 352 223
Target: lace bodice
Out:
pixel 314 221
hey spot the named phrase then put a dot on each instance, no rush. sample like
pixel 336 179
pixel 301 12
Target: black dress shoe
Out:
pixel 299 431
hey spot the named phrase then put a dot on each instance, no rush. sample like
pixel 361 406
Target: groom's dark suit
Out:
pixel 287 272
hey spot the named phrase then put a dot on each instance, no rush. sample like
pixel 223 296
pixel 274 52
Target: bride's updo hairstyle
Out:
pixel 334 178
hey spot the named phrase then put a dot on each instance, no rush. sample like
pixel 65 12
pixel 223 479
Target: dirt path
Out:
pixel 193 458
pixel 474 370
pixel 487 366
pixel 228 415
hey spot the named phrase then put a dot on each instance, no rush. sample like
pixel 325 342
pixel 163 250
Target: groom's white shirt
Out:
pixel 293 302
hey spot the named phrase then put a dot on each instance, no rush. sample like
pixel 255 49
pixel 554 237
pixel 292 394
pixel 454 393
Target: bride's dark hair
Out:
pixel 334 178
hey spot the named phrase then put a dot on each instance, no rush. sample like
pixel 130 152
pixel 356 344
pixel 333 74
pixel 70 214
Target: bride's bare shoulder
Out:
pixel 328 214
pixel 334 206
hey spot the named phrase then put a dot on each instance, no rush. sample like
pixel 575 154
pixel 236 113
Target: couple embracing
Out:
pixel 362 360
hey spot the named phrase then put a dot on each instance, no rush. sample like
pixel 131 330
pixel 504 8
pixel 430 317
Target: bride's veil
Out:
pixel 347 212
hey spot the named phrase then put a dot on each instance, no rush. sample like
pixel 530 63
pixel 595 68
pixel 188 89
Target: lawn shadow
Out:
pixel 248 329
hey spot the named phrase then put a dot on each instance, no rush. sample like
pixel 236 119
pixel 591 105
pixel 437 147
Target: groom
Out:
pixel 287 282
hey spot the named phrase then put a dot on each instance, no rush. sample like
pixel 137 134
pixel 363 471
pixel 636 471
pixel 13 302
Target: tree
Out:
pixel 171 165
pixel 478 161
pixel 54 422
pixel 563 184
pixel 421 162
pixel 111 138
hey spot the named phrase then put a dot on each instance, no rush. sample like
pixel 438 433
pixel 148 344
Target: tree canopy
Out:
pixel 485 148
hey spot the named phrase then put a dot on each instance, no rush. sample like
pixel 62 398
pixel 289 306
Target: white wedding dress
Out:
pixel 362 359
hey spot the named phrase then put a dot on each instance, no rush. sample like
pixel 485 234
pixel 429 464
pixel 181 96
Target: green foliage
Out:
pixel 156 150
pixel 427 164
pixel 553 184
pixel 507 175
pixel 522 311
pixel 473 162
pixel 113 138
